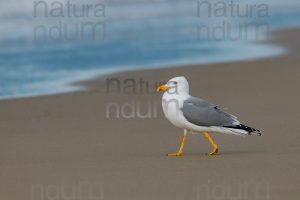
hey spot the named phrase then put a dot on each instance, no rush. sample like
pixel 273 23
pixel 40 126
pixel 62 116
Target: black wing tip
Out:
pixel 256 133
pixel 250 130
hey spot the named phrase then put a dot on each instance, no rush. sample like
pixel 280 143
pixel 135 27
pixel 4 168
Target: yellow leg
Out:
pixel 179 153
pixel 216 149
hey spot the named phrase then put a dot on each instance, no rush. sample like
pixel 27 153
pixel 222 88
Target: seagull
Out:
pixel 195 115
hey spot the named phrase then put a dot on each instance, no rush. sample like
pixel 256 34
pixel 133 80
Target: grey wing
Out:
pixel 203 113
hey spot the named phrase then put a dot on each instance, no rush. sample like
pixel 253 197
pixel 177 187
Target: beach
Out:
pixel 74 145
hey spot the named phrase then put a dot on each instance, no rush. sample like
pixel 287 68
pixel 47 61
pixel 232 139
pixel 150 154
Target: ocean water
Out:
pixel 45 47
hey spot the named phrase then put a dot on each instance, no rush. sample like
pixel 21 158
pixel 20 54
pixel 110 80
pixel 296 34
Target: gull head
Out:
pixel 177 85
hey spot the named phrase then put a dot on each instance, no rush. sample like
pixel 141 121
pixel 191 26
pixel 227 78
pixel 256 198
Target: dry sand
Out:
pixel 65 147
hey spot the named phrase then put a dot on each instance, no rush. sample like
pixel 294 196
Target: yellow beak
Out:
pixel 162 88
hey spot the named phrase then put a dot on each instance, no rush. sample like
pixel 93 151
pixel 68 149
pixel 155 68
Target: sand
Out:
pixel 67 147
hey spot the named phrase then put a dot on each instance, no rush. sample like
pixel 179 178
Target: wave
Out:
pixel 138 34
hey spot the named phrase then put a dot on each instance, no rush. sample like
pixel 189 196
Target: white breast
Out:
pixel 172 105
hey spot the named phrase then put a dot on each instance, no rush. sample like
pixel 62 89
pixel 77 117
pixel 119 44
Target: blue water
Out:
pixel 138 34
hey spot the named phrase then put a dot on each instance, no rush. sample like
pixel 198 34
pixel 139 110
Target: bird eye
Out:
pixel 175 82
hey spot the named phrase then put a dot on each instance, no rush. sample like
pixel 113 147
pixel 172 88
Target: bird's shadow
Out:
pixel 224 154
